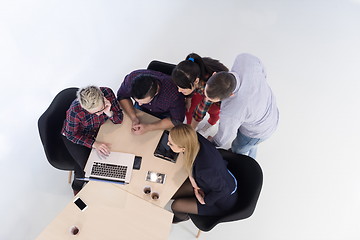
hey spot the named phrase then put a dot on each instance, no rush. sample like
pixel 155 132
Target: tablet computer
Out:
pixel 163 150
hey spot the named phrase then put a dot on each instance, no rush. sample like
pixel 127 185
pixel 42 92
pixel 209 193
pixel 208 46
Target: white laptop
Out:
pixel 116 168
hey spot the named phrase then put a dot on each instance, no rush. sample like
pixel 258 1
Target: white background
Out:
pixel 311 50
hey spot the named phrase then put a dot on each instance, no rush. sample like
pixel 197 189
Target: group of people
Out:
pixel 240 99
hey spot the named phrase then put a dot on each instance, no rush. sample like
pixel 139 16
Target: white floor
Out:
pixel 312 53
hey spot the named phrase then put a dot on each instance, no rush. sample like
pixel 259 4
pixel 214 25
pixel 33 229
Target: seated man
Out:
pixel 92 107
pixel 154 93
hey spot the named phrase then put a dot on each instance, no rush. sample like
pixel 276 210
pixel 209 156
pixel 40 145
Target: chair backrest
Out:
pixel 250 178
pixel 161 67
pixel 50 124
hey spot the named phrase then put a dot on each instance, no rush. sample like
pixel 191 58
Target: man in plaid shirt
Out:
pixel 154 93
pixel 92 107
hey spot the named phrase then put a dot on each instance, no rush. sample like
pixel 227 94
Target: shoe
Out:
pixel 76 192
pixel 177 220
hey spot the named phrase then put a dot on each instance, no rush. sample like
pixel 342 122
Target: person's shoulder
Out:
pixel 246 56
pixel 205 145
pixel 168 85
pixel 135 73
pixel 158 75
pixel 148 71
pixel 75 109
pixel 201 138
pixel 106 91
pixel 140 71
pixel 75 105
pixel 161 76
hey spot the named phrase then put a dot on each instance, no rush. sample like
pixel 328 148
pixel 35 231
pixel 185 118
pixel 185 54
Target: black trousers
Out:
pixel 80 154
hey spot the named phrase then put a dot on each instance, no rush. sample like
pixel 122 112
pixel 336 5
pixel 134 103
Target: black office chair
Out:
pixel 250 178
pixel 161 67
pixel 50 124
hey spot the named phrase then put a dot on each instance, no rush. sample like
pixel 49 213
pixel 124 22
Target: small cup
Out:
pixel 147 189
pixel 155 195
pixel 74 230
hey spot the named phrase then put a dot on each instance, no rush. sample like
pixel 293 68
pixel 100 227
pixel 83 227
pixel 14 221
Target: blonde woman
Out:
pixel 92 107
pixel 211 187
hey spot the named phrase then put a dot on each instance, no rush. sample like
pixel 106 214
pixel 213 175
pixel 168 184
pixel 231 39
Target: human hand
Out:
pixel 140 128
pixel 107 109
pixel 194 123
pixel 102 148
pixel 135 122
pixel 199 194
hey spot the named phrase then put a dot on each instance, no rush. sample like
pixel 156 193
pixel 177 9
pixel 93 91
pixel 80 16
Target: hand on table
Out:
pixel 134 126
pixel 140 128
pixel 102 148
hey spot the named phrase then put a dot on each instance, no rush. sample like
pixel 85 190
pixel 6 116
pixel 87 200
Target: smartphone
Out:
pixel 137 162
pixel 80 203
pixel 155 177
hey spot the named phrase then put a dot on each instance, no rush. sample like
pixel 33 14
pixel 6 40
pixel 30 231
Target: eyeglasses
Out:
pixel 100 110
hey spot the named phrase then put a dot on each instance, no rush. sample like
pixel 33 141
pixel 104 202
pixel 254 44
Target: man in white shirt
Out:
pixel 248 106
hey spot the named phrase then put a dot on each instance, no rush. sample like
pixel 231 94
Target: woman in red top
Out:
pixel 190 76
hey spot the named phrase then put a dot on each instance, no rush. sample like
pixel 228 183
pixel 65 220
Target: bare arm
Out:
pixel 161 124
pixel 194 123
pixel 127 105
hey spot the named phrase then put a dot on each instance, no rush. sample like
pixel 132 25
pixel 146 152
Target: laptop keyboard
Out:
pixel 109 170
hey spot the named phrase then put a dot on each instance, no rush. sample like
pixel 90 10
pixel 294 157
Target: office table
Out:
pixel 112 213
pixel 123 211
pixel 121 139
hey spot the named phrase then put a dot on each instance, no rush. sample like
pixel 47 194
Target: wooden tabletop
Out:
pixel 112 213
pixel 121 139
pixel 123 211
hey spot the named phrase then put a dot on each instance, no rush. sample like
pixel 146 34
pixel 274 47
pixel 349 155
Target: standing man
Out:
pixel 155 93
pixel 248 106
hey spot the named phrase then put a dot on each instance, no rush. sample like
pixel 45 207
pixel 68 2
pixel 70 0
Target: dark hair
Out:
pixel 144 86
pixel 221 85
pixel 186 72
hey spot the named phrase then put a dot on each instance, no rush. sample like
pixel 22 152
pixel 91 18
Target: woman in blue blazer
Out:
pixel 211 187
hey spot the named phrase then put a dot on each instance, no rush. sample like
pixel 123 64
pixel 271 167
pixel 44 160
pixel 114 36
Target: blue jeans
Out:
pixel 245 145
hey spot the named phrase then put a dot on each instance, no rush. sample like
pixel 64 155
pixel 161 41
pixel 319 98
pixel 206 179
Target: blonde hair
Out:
pixel 184 136
pixel 90 97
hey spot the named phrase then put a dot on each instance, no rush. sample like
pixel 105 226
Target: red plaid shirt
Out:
pixel 81 127
pixel 202 108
